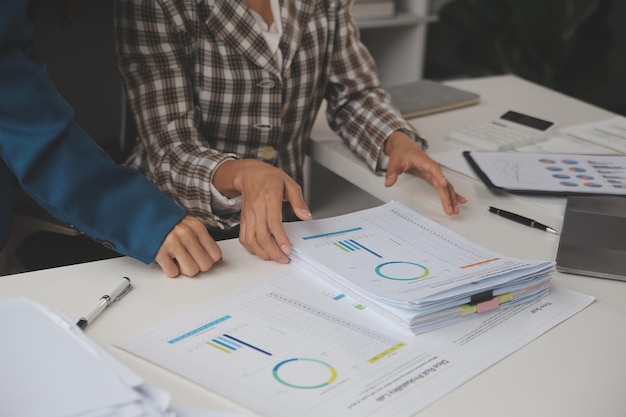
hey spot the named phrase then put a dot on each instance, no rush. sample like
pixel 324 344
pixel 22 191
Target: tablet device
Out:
pixel 593 237
pixel 541 173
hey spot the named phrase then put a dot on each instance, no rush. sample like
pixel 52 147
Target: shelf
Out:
pixel 399 20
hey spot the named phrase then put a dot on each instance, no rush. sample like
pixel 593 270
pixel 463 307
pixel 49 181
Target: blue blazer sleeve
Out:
pixel 59 165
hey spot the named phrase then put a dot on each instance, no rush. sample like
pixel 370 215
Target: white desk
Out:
pixel 498 94
pixel 576 369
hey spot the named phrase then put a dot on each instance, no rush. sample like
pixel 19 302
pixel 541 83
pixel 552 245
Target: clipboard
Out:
pixel 548 173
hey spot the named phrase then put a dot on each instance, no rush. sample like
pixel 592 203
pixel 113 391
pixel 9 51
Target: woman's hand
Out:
pixel 263 188
pixel 407 156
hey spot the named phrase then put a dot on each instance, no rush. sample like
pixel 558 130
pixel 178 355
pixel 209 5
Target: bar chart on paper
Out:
pixel 403 270
pixel 387 253
pixel 282 341
pixel 294 345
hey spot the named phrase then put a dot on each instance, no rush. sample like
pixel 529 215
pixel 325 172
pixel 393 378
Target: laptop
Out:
pixel 593 237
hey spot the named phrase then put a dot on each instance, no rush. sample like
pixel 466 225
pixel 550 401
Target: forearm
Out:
pixel 400 140
pixel 359 109
pixel 66 172
pixel 155 57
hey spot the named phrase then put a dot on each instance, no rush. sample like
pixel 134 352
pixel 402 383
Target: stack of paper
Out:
pixel 412 270
pixel 50 368
pixel 295 345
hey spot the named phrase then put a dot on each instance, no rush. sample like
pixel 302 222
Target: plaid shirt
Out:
pixel 204 87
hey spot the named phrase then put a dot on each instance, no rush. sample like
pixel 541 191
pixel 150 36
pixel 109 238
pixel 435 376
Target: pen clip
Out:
pixel 126 290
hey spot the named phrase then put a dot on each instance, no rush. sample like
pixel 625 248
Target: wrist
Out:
pixel 399 140
pixel 225 178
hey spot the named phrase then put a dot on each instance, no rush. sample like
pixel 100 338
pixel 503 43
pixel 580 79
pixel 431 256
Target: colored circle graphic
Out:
pixel 577 169
pixel 584 177
pixel 547 161
pixel 593 185
pixel 304 373
pixel 570 161
pixel 555 168
pixel 561 176
pixel 569 184
pixel 401 271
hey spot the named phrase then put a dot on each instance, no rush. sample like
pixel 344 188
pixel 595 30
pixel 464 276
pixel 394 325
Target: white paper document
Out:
pixel 294 345
pixel 49 368
pixel 413 270
pixel 553 173
pixel 607 136
pixel 454 160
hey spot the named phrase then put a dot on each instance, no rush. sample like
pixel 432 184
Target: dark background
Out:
pixel 81 63
pixel 595 73
pixel 81 60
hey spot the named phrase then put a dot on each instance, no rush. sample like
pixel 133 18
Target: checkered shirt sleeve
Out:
pixel 204 88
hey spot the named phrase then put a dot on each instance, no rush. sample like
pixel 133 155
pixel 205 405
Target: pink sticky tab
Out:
pixel 488 305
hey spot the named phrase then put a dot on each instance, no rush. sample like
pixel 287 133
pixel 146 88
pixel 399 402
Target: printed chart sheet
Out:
pixel 295 345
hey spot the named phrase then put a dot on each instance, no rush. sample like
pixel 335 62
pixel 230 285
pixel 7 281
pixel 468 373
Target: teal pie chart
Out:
pixel 304 373
pixel 401 271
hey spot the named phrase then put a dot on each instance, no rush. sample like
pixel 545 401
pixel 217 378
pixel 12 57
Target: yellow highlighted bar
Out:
pixel 340 247
pixel 387 352
pixel 218 347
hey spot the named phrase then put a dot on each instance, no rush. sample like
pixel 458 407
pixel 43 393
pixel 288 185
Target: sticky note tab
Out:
pixel 488 305
pixel 506 297
pixel 467 309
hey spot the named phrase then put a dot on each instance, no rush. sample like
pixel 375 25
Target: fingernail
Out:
pixel 285 249
pixel 305 213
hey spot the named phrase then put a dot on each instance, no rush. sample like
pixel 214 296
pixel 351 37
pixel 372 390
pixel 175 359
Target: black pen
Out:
pixel 522 220
pixel 117 292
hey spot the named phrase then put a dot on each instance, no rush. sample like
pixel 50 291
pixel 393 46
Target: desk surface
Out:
pixel 498 94
pixel 576 369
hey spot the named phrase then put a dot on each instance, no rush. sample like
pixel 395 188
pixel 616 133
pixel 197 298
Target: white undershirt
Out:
pixel 273 33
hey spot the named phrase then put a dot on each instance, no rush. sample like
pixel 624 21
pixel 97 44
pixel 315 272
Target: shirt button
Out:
pixel 267 153
pixel 287 73
pixel 283 111
pixel 108 245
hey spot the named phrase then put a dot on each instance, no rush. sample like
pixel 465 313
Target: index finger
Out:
pixel 278 233
pixel 293 196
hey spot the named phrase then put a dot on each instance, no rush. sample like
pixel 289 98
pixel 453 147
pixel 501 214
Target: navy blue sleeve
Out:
pixel 60 166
